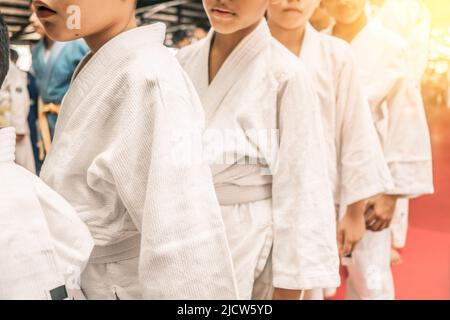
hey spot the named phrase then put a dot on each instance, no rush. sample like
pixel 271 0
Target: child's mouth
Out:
pixel 222 13
pixel 43 11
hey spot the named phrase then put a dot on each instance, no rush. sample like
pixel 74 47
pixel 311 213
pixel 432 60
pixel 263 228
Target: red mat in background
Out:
pixel 425 271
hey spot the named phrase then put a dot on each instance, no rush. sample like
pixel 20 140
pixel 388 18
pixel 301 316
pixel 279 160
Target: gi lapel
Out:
pixel 239 61
pixel 311 41
pixel 116 50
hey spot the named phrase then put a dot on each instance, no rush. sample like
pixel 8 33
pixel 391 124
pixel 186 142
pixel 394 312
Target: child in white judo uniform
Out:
pixel 44 244
pixel 15 101
pixel 275 195
pixel 399 117
pixel 155 219
pixel 356 163
pixel 411 20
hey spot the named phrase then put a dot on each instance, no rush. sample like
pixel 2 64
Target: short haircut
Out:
pixel 203 25
pixel 4 50
pixel 179 36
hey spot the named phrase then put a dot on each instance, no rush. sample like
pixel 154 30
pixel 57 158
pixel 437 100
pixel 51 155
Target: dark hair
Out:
pixel 179 36
pixel 4 50
pixel 14 55
pixel 203 25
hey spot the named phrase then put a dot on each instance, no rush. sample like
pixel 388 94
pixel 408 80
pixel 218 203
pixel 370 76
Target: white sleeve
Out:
pixel 407 145
pixel 184 251
pixel 20 102
pixel 29 267
pixel 71 238
pixel 363 170
pixel 305 254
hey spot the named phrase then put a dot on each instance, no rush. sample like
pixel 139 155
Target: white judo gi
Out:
pixel 279 215
pixel 15 101
pixel 45 245
pixel 411 20
pixel 155 220
pixel 399 117
pixel 356 163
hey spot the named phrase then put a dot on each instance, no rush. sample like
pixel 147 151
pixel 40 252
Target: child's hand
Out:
pixel 285 294
pixel 380 212
pixel 352 227
pixel 19 137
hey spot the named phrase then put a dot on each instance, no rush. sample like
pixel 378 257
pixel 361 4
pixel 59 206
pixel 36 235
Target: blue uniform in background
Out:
pixel 54 73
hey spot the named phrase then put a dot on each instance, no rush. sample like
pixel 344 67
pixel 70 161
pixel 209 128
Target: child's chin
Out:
pixel 61 35
pixel 225 28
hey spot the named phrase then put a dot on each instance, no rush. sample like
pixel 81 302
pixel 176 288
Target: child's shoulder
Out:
pixel 337 52
pixel 150 65
pixel 392 42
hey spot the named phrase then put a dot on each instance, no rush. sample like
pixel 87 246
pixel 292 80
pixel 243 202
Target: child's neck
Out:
pixel 97 40
pixel 349 31
pixel 223 45
pixel 290 38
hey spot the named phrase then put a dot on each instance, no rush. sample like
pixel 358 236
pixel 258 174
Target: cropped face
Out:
pixel 37 25
pixel 65 20
pixel 291 14
pixel 230 16
pixel 320 18
pixel 345 11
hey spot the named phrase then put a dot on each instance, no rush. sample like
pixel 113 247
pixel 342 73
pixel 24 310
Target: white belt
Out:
pixel 232 194
pixel 124 250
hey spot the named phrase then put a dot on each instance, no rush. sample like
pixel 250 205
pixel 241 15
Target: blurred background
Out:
pixel 425 270
pixel 185 17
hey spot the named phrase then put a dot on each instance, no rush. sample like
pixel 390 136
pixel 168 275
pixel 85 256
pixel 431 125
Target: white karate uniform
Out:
pixel 399 117
pixel 44 243
pixel 357 167
pixel 411 20
pixel 356 163
pixel 155 220
pixel 14 96
pixel 278 218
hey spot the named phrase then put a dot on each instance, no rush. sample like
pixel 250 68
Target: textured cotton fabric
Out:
pixel 410 19
pixel 262 86
pixel 44 243
pixel 397 108
pixel 114 158
pixel 356 163
pixel 399 117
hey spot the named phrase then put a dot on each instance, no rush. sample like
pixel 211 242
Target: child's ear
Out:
pixel 4 50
